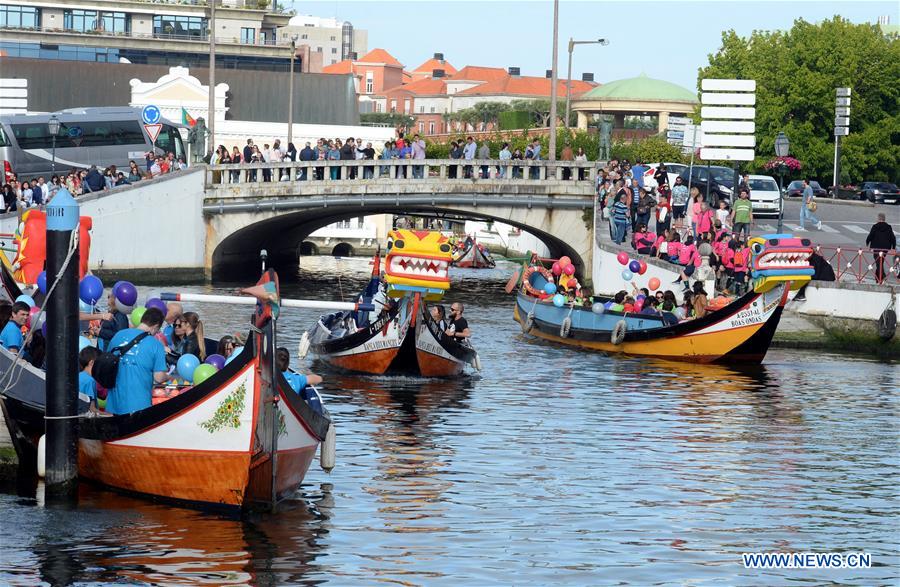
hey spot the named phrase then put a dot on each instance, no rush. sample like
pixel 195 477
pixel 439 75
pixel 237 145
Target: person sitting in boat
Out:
pixel 628 304
pixel 459 326
pixel 226 346
pixel 11 337
pixel 140 368
pixel 741 262
pixel 700 300
pixel 191 341
pixel 439 316
pixel 668 315
pixel 173 310
pixel 116 322
pixel 685 310
pixel 86 384
pixel 618 301
pixel 299 382
pixel 650 307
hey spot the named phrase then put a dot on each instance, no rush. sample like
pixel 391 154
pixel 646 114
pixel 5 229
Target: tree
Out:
pixel 395 119
pixel 796 74
pixel 540 110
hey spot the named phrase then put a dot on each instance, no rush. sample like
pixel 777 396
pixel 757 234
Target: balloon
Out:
pixel 654 283
pixel 83 342
pixel 550 288
pixel 101 403
pixel 598 308
pixel 569 269
pixel 44 329
pixel 640 298
pixel 216 360
pixel 623 258
pixel 27 299
pixel 186 366
pixel 127 294
pixel 42 281
pixel 34 323
pixel 563 261
pixel 634 266
pixel 627 275
pixel 638 305
pixel 556 269
pixel 203 372
pixel 158 304
pixel 608 304
pixel 84 307
pixel 643 267
pixel 559 300
pixel 91 289
pixel 136 315
pixel 233 356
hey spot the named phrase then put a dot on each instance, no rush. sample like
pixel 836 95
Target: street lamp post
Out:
pixel 53 127
pixel 782 148
pixel 211 115
pixel 290 133
pixel 553 80
pixel 572 44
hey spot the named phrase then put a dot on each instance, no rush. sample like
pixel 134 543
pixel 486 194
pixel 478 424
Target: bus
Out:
pixel 87 136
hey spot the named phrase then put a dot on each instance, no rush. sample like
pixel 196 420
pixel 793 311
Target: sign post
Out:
pixel 728 125
pixel 841 129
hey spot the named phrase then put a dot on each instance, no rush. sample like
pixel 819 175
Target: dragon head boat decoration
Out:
pixel 417 261
pixel 778 258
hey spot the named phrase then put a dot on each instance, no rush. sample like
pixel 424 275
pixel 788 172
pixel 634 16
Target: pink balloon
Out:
pixel 563 261
pixel 556 269
pixel 623 258
pixel 32 313
pixel 569 269
pixel 639 305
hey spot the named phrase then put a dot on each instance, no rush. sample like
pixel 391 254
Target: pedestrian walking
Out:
pixel 808 206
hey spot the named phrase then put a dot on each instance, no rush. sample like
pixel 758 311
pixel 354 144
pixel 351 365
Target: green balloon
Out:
pixel 203 372
pixel 136 315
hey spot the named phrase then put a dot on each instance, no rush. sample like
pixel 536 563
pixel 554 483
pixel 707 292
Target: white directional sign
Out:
pixel 728 99
pixel 692 136
pixel 728 126
pixel 726 154
pixel 842 101
pixel 842 121
pixel 728 85
pixel 841 131
pixel 677 123
pixel 844 92
pixel 675 134
pixel 707 112
pixel 842 111
pixel 713 140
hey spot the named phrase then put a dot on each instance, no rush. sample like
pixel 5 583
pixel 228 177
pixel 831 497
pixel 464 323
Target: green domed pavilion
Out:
pixel 637 96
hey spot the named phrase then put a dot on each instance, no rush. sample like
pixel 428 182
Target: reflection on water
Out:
pixel 553 466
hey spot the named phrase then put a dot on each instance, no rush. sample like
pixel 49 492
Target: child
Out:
pixel 298 381
pixel 673 249
pixel 87 387
pixel 741 260
pixel 722 215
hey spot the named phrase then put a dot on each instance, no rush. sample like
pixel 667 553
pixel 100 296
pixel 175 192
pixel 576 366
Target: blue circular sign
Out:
pixel 150 114
pixel 75 132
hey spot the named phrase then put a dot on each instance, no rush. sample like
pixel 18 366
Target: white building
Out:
pixel 336 40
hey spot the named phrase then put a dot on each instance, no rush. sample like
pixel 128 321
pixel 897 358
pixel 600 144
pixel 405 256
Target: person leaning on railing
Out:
pixel 881 240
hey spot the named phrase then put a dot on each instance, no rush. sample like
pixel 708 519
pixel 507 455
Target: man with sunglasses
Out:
pixel 459 326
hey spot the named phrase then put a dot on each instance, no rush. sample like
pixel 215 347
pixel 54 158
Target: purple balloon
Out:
pixel 158 304
pixel 44 329
pixel 635 266
pixel 216 360
pixel 126 293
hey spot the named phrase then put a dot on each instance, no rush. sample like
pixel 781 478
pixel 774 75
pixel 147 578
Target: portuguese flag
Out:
pixel 187 118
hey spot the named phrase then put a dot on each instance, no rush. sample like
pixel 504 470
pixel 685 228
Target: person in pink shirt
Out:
pixel 704 219
pixel 690 259
pixel 644 240
pixel 674 247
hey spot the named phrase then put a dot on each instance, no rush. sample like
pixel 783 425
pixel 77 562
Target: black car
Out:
pixel 879 192
pixel 795 189
pixel 719 179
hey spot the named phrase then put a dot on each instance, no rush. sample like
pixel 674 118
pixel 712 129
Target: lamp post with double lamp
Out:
pixel 572 44
pixel 782 148
pixel 290 133
pixel 53 127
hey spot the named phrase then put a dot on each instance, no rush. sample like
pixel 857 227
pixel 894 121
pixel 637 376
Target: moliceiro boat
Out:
pixel 739 332
pixel 474 256
pixel 400 335
pixel 240 439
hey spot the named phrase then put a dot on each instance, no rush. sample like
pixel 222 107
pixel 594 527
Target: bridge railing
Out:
pixel 429 170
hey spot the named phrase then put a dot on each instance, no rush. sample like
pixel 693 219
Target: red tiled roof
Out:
pixel 380 56
pixel 341 67
pixel 433 64
pixel 422 87
pixel 484 74
pixel 406 77
pixel 525 86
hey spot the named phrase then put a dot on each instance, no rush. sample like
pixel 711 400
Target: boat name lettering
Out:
pixel 432 348
pixel 374 345
pixel 745 317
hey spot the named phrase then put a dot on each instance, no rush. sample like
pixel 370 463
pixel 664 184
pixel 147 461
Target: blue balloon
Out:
pixel 233 356
pixel 85 308
pixel 608 304
pixel 598 308
pixel 27 299
pixel 83 342
pixel 634 266
pixel 42 282
pixel 640 298
pixel 627 275
pixel 550 288
pixel 91 289
pixel 186 366
pixel 559 300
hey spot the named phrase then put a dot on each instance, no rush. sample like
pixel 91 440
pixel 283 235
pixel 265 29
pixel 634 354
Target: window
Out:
pixel 431 128
pixel 421 110
pixel 169 140
pixel 180 27
pixel 393 105
pixel 333 39
pixel 94 134
pixel 19 17
pixel 318 49
pixel 360 222
pixel 334 49
pixel 84 21
pixel 406 106
pixel 304 36
pixel 421 127
pixel 248 36
pixel 432 109
pixel 370 82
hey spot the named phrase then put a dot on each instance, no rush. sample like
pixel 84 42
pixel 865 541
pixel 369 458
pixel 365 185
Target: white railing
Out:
pixel 427 170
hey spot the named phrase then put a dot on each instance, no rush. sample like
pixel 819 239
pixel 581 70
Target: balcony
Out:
pixel 27 32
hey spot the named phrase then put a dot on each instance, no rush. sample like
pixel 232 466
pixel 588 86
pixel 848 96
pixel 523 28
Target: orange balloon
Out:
pixel 654 283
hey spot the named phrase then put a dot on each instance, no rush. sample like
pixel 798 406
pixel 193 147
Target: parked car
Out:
pixel 879 192
pixel 795 189
pixel 719 179
pixel 672 170
pixel 764 195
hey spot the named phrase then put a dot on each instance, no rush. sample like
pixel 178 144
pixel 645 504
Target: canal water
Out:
pixel 552 466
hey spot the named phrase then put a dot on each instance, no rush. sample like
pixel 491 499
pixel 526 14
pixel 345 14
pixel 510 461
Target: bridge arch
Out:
pixel 234 240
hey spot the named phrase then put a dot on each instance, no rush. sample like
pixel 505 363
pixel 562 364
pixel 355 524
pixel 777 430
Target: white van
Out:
pixel 764 195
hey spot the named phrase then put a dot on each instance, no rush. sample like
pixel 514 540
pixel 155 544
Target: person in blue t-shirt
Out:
pixel 11 337
pixel 142 366
pixel 299 382
pixel 86 384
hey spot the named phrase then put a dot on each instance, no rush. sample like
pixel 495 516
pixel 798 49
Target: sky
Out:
pixel 665 40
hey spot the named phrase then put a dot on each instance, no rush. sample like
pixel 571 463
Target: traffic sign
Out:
pixel 76 135
pixel 727 112
pixel 842 101
pixel 728 85
pixel 153 131
pixel 675 134
pixel 842 111
pixel 729 140
pixel 842 121
pixel 150 114
pixel 726 154
pixel 728 99
pixel 728 126
pixel 841 131
pixel 843 92
pixel 678 123
pixel 692 136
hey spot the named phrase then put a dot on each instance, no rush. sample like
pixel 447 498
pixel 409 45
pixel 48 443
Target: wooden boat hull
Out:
pixel 738 333
pixel 473 258
pixel 437 355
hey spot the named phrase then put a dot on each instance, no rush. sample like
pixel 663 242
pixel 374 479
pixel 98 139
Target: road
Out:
pixel 843 223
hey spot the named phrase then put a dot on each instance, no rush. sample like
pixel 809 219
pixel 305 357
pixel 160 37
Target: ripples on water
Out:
pixel 553 466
